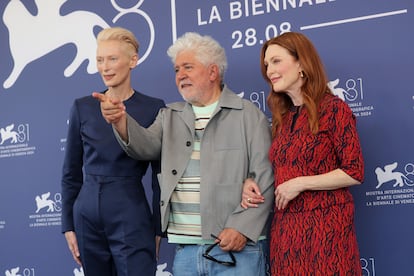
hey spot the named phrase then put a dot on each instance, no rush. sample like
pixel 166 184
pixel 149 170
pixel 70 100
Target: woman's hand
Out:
pixel 73 246
pixel 251 196
pixel 287 191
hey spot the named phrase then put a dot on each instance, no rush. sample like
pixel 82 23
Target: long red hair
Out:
pixel 315 80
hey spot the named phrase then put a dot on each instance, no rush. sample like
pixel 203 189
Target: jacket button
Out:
pixel 162 202
pixel 174 172
pixel 188 143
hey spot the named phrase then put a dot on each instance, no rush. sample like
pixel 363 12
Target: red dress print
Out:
pixel 315 234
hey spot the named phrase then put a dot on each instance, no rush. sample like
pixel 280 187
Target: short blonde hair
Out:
pixel 119 34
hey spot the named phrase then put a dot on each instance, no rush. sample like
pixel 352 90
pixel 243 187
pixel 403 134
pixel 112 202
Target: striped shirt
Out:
pixel 185 221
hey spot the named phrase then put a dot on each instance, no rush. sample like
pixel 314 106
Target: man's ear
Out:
pixel 213 72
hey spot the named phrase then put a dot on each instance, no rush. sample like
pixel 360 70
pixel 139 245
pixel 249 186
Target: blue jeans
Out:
pixel 189 261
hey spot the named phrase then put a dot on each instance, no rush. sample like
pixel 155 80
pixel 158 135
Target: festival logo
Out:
pixel 78 272
pixel 340 92
pixel 14 140
pixel 395 185
pixel 15 271
pixel 7 133
pixel 47 213
pixel 352 92
pixel 160 270
pixel 398 179
pixel 49 30
pixel 43 201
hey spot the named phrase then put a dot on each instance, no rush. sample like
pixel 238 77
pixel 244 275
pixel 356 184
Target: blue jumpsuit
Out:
pixel 103 199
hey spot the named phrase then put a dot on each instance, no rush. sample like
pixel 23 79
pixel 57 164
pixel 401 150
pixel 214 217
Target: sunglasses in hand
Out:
pixel 211 258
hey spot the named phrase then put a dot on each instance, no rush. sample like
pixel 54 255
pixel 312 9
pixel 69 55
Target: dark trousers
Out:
pixel 114 228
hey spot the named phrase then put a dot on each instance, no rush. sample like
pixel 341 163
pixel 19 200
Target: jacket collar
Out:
pixel 228 99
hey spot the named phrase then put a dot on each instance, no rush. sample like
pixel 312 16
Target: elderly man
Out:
pixel 209 145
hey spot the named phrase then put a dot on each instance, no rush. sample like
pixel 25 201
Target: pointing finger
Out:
pixel 99 96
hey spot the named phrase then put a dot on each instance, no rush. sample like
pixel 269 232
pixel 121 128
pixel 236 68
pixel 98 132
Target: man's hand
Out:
pixel 113 111
pixel 232 240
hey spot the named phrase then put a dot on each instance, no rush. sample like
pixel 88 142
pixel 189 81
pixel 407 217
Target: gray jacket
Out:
pixel 235 143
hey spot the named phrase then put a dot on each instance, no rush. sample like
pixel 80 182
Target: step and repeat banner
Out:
pixel 47 59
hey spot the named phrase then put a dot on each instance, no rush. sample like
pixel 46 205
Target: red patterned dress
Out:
pixel 315 233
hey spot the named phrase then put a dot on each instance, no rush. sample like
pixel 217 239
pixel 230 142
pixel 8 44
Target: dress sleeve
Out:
pixel 346 140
